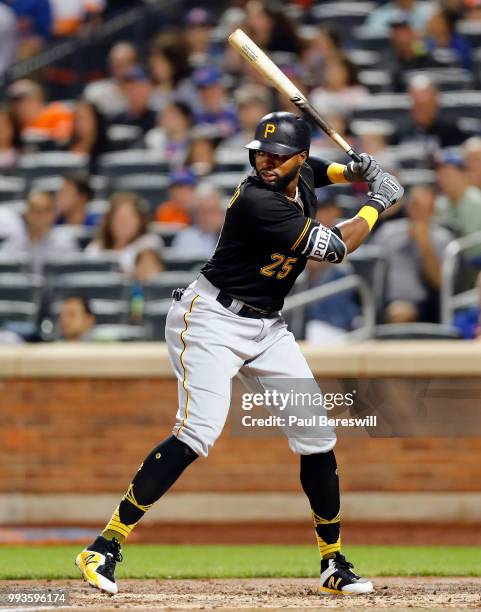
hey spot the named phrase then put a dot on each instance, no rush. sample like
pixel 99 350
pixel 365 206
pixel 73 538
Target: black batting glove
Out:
pixel 387 190
pixel 365 170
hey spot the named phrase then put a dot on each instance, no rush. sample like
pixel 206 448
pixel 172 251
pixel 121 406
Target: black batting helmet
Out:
pixel 282 134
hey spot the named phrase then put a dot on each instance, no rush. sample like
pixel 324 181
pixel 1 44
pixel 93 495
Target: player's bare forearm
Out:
pixel 354 231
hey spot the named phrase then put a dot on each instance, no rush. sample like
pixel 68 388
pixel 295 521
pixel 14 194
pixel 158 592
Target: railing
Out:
pixel 366 331
pixel 449 301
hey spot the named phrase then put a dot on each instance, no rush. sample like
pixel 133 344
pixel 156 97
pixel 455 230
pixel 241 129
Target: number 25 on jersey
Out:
pixel 280 268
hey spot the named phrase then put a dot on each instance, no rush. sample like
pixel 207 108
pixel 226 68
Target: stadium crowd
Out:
pixel 110 199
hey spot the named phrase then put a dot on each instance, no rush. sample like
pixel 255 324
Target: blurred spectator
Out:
pixel 8 37
pixel 253 102
pixel 181 193
pixel 408 53
pixel 36 120
pixel 270 27
pixel 76 320
pixel 34 25
pixel 215 109
pixel 329 319
pixel 414 248
pixel 124 230
pixel 198 26
pixel 137 89
pixel 472 155
pixel 459 203
pixel 340 90
pixel 200 158
pixel 72 200
pixel 199 240
pixel 8 153
pixel 171 136
pixel 468 320
pixel 320 48
pixel 426 126
pixel 415 12
pixel 445 44
pixel 89 132
pixel 107 94
pixel 168 68
pixel 75 16
pixel 40 239
pixel 148 265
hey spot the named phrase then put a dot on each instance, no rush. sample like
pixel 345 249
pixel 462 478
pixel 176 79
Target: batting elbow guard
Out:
pixel 324 244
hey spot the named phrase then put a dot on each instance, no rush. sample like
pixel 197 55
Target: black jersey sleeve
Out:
pixel 325 171
pixel 272 220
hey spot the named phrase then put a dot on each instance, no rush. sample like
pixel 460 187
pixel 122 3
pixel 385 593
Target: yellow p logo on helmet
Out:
pixel 269 128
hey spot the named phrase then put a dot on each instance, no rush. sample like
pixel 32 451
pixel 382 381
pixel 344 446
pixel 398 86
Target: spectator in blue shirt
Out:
pixel 215 109
pixel 72 200
pixel 445 44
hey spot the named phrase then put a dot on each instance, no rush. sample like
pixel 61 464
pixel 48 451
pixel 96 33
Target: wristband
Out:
pixel 369 214
pixel 335 173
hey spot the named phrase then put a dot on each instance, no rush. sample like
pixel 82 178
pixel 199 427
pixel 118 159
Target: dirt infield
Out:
pixel 401 593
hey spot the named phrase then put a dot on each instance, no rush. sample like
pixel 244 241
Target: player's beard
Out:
pixel 281 183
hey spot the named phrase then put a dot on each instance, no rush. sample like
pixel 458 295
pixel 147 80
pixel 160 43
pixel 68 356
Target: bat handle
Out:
pixel 353 155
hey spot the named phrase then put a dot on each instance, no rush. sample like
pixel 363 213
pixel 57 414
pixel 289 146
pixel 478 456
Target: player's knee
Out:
pixel 199 441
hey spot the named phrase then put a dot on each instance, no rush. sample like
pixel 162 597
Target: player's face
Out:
pixel 274 169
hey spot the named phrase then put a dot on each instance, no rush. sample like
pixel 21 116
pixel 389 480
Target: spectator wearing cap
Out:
pixel 253 102
pixel 76 320
pixel 459 203
pixel 426 126
pixel 415 12
pixel 408 53
pixel 107 94
pixel 472 155
pixel 124 231
pixel 198 25
pixel 414 248
pixel 72 200
pixel 137 89
pixel 171 136
pixel 215 109
pixel 328 320
pixel 199 239
pixel 39 239
pixel 36 120
pixel 181 192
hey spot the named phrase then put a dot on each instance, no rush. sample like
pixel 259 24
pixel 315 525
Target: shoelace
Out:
pixel 342 563
pixel 113 547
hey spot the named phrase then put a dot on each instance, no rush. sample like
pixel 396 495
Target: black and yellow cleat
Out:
pixel 97 564
pixel 338 579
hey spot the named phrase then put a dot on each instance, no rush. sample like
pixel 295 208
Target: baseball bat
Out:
pixel 265 66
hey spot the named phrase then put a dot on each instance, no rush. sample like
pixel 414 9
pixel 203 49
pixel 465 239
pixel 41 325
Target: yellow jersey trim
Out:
pixel 303 233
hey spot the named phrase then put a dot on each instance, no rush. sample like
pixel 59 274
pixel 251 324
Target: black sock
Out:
pixel 320 482
pixel 160 469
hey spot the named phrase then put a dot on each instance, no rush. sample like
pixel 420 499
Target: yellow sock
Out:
pixel 115 528
pixel 326 549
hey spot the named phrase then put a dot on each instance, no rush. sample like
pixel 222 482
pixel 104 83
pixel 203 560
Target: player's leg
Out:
pixel 198 344
pixel 282 359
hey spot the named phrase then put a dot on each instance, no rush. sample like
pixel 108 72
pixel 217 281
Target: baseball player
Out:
pixel 228 323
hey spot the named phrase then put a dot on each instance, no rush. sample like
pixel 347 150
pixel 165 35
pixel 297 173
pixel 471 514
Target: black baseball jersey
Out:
pixel 259 254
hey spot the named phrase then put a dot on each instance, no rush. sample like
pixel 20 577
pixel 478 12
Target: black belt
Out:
pixel 246 311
